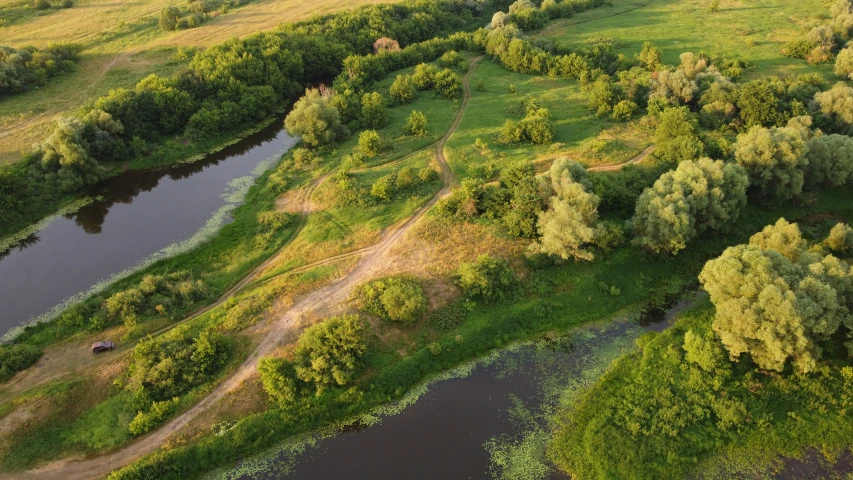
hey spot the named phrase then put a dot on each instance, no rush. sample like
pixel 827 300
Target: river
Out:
pixel 486 419
pixel 138 216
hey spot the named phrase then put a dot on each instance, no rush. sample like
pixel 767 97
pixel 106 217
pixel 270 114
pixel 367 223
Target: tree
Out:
pixel 369 143
pixel 759 105
pixel 835 108
pixel 330 352
pixel 830 160
pixel 676 136
pixel 776 310
pixel 570 224
pixel 844 63
pixel 385 44
pixel 650 57
pixel 374 114
pixel 169 18
pixel 403 89
pixel 278 377
pixel 498 20
pixel 315 120
pixel 447 84
pixel 698 196
pixel 840 239
pixel 783 237
pixel 521 186
pixel 424 76
pixel 775 159
pixel 416 124
pixel 489 278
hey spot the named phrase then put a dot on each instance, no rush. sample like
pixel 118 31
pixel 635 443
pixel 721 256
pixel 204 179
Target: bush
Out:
pixel 452 59
pixel 370 143
pixel 395 299
pixel 403 89
pixel 14 358
pixel 676 136
pixel 448 84
pixel 169 18
pixel 840 239
pixel 40 4
pixel 491 279
pixel 374 114
pixel 424 76
pixel 623 111
pixel 416 124
pixel 330 352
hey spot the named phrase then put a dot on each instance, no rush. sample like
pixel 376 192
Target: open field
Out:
pixel 122 43
pixel 751 30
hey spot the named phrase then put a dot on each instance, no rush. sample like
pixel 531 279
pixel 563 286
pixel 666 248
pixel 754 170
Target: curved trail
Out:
pixel 612 168
pixel 30 378
pixel 332 294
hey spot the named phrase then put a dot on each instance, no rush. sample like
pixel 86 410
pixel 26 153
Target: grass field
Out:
pixel 751 30
pixel 122 44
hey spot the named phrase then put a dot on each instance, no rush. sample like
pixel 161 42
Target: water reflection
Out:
pixel 136 214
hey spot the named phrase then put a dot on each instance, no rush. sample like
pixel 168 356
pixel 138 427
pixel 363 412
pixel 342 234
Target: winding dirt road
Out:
pixel 327 296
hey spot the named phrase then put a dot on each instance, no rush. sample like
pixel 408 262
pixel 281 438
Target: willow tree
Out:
pixel 569 225
pixel 698 196
pixel 774 158
pixel 776 310
pixel 315 120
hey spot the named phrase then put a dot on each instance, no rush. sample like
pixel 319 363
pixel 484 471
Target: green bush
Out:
pixel 403 90
pixel 416 124
pixel 394 298
pixel 424 76
pixel 370 143
pixel 330 353
pixel 447 84
pixel 489 278
pixel 14 358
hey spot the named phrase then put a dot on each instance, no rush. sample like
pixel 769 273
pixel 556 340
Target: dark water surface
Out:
pixel 139 214
pixel 444 433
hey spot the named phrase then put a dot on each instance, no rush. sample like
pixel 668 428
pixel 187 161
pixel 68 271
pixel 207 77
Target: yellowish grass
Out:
pixel 122 44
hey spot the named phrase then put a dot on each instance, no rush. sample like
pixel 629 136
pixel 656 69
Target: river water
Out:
pixel 484 420
pixel 139 216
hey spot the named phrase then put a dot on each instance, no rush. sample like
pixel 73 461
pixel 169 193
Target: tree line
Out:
pixel 30 67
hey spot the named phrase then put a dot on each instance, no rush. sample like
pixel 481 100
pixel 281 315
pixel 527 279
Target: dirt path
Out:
pixel 75 358
pixel 612 168
pixel 330 295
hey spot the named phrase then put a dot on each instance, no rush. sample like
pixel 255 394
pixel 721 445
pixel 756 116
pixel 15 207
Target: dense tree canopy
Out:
pixel 830 160
pixel 676 136
pixel 698 196
pixel 775 159
pixel 776 309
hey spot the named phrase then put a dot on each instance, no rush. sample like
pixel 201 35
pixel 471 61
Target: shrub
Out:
pixel 623 111
pixel 489 278
pixel 424 76
pixel 169 18
pixel 448 84
pixel 14 358
pixel 330 352
pixel 844 63
pixel 40 4
pixel 384 188
pixel 395 299
pixel 452 59
pixel 798 49
pixel 374 114
pixel 416 124
pixel 370 143
pixel 403 89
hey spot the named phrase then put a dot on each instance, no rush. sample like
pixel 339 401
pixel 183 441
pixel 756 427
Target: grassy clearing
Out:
pixel 751 30
pixel 578 133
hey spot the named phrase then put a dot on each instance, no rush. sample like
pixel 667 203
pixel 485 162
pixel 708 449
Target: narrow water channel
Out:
pixel 137 216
